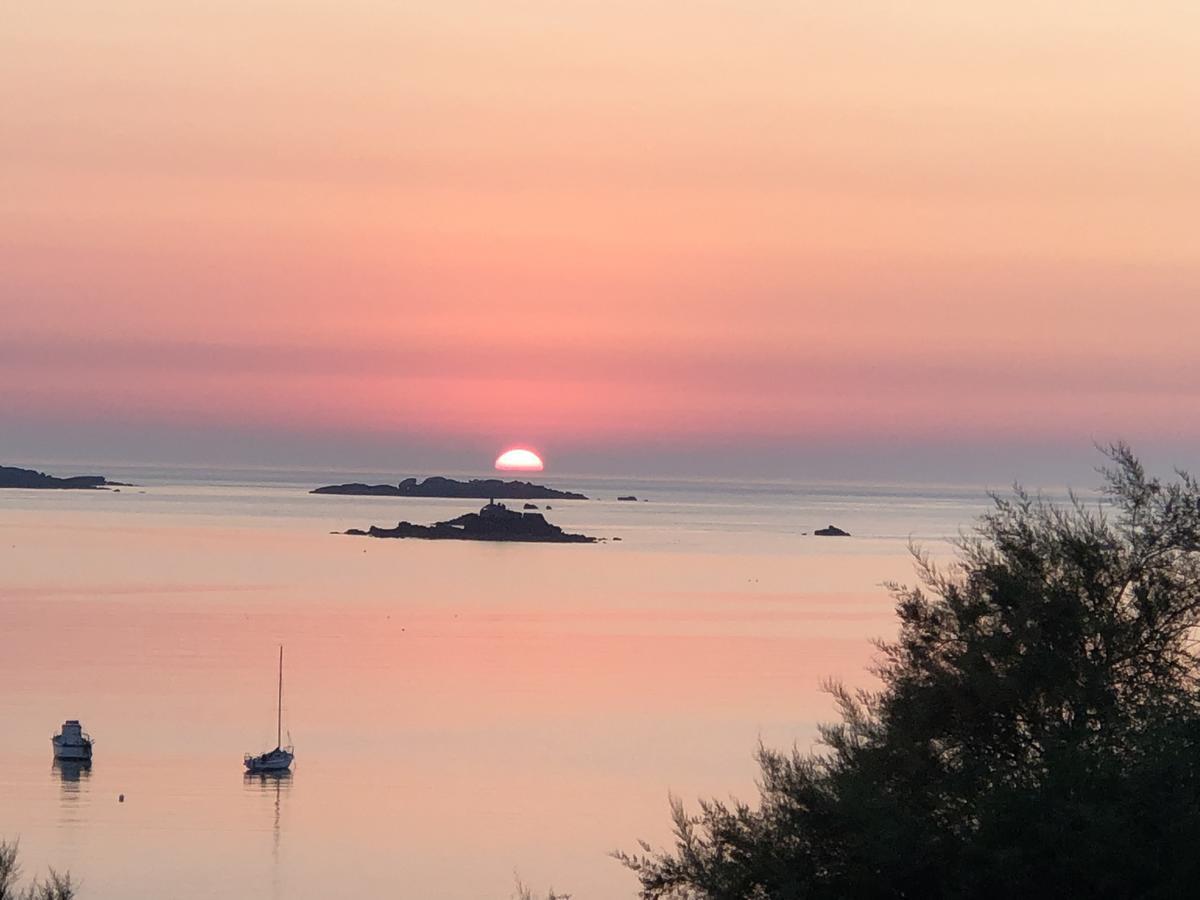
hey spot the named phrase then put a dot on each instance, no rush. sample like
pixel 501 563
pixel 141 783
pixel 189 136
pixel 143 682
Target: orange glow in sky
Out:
pixel 601 224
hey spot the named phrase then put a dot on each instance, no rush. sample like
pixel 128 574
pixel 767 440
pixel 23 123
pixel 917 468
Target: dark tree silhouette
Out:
pixel 1036 732
pixel 524 892
pixel 55 887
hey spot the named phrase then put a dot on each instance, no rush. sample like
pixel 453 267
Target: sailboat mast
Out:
pixel 279 708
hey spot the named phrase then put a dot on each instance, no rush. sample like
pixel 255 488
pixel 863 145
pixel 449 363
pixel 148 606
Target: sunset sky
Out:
pixel 785 237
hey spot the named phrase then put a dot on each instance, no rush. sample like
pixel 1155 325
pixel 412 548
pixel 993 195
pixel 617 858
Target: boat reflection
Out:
pixel 74 798
pixel 271 784
pixel 71 772
pixel 268 782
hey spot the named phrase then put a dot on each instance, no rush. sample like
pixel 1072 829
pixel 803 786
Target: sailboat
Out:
pixel 279 759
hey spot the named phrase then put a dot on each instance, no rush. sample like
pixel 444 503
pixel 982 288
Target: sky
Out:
pixel 747 238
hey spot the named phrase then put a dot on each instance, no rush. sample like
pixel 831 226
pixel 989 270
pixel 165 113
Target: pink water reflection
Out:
pixel 458 712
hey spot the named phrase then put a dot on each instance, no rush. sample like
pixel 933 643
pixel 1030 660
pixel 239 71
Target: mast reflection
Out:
pixel 271 785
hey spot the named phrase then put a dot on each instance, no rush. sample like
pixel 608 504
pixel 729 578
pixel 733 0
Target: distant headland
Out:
pixel 494 522
pixel 12 477
pixel 437 486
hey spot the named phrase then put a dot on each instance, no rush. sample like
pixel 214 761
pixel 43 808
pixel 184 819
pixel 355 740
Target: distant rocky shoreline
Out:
pixel 30 479
pixel 437 486
pixel 494 522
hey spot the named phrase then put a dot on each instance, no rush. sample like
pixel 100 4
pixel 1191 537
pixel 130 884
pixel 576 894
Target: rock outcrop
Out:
pixel 12 477
pixel 494 522
pixel 831 531
pixel 437 486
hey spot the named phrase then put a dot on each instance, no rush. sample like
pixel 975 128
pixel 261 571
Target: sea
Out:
pixel 463 714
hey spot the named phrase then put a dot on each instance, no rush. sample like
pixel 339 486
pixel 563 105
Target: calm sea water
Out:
pixel 461 712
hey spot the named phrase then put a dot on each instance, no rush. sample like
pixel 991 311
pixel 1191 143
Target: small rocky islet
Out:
pixel 831 531
pixel 494 522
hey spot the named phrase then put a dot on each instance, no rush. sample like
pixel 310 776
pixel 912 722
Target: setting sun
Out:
pixel 519 460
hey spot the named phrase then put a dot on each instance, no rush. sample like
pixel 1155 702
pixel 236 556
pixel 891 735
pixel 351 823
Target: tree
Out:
pixel 524 892
pixel 1036 731
pixel 55 887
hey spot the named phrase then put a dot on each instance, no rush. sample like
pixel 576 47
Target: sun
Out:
pixel 519 460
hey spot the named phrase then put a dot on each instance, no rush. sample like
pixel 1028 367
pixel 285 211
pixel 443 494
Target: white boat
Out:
pixel 279 759
pixel 72 743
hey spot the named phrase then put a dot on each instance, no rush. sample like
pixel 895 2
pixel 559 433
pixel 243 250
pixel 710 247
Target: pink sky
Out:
pixel 593 226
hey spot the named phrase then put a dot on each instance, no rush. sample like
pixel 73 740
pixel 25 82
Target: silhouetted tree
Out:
pixel 1037 730
pixel 524 892
pixel 55 887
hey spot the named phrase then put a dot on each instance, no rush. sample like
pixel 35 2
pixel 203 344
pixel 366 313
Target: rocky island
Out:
pixel 12 477
pixel 437 486
pixel 494 522
pixel 831 531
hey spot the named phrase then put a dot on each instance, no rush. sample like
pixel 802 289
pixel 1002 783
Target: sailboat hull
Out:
pixel 277 760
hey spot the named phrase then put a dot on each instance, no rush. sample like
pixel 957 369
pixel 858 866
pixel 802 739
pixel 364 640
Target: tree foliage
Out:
pixel 1037 728
pixel 55 887
pixel 524 892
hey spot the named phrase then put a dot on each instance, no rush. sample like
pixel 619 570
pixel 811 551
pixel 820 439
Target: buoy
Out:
pixel 120 798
